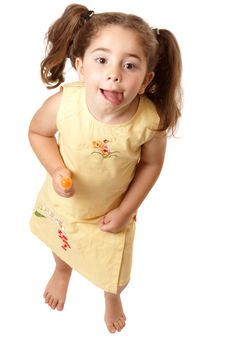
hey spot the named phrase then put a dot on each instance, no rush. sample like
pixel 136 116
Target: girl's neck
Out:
pixel 118 116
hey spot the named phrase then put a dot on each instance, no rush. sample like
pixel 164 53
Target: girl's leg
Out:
pixel 55 292
pixel 114 314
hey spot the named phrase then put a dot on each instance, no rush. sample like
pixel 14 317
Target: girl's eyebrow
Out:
pixel 101 49
pixel 104 49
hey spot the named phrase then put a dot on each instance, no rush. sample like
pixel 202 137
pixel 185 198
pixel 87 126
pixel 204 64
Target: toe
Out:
pixel 50 301
pixel 121 323
pixel 111 328
pixel 60 305
pixel 53 303
pixel 47 299
pixel 117 326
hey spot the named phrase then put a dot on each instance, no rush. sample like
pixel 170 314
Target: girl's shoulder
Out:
pixel 72 93
pixel 147 113
pixel 75 86
pixel 146 122
pixel 73 97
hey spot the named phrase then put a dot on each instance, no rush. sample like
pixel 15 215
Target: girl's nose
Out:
pixel 114 76
pixel 115 80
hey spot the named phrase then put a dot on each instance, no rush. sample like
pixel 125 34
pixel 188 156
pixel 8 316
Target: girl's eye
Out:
pixel 101 60
pixel 129 66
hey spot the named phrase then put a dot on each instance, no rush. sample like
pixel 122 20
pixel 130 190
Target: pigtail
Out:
pixel 165 89
pixel 59 41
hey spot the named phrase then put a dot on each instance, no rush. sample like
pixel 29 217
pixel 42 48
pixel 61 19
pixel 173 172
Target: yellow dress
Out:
pixel 102 158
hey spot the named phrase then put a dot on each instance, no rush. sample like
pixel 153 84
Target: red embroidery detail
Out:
pixel 64 240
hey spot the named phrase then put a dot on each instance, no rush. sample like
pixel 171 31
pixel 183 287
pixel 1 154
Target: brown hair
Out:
pixel 71 34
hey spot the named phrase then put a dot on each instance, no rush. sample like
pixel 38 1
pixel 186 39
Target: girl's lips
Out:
pixel 114 97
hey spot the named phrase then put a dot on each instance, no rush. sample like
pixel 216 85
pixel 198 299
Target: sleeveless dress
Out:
pixel 102 158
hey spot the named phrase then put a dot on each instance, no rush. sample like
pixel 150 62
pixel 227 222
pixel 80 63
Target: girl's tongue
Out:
pixel 113 97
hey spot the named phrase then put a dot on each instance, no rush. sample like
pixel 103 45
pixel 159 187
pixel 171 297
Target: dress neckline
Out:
pixel 134 116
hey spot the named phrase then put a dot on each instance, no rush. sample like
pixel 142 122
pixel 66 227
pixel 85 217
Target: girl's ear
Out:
pixel 79 68
pixel 148 78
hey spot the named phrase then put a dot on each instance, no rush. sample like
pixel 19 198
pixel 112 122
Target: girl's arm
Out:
pixel 41 133
pixel 148 170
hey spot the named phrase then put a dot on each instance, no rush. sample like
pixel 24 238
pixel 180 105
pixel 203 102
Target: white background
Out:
pixel 180 296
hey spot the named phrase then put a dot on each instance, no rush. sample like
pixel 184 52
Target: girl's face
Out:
pixel 114 70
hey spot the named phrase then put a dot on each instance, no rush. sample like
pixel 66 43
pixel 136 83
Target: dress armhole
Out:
pixel 69 102
pixel 60 112
pixel 150 115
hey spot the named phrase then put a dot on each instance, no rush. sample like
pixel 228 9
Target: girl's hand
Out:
pixel 115 221
pixel 57 176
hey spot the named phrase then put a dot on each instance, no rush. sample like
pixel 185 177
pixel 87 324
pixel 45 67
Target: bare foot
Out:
pixel 55 292
pixel 114 316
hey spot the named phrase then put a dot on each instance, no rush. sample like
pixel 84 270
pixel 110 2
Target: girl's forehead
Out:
pixel 117 32
pixel 117 37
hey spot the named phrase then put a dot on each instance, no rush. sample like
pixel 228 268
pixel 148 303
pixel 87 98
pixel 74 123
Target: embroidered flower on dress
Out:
pixel 47 213
pixel 103 149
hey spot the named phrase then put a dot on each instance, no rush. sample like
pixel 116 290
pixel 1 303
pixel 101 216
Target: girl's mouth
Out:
pixel 114 97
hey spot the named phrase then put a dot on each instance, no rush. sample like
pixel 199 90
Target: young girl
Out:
pixel 112 128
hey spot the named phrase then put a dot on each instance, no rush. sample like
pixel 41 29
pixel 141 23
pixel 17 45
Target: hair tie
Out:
pixel 87 15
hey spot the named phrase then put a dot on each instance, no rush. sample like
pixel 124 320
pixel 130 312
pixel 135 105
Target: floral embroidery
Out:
pixel 103 149
pixel 60 228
